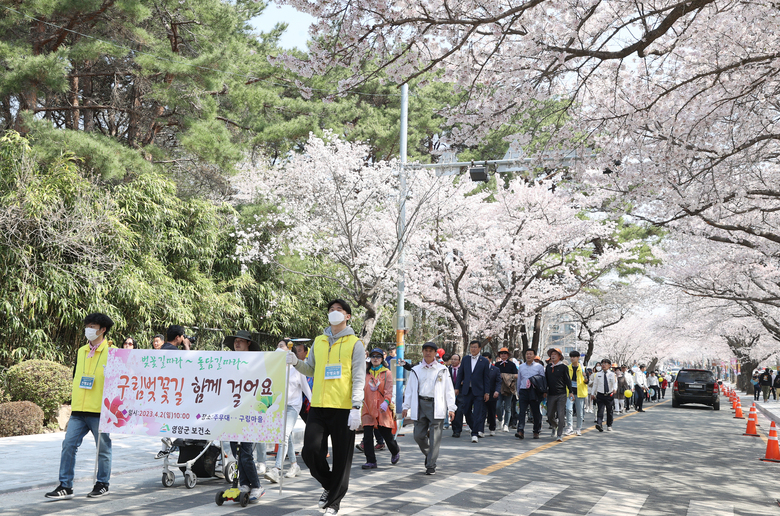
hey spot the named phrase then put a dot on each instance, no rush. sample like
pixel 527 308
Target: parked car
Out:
pixel 696 386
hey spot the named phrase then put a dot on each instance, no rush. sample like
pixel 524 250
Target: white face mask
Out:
pixel 335 318
pixel 90 333
pixel 598 368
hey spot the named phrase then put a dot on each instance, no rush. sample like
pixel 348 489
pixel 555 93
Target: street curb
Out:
pixel 767 414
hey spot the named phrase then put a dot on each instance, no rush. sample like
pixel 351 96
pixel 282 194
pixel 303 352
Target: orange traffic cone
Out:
pixel 734 404
pixel 772 447
pixel 751 426
pixel 753 408
pixel 739 415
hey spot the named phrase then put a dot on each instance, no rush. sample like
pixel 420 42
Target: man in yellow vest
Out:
pixel 337 362
pixel 87 398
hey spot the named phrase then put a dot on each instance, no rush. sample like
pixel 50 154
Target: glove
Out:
pixel 354 419
pixel 291 358
pixel 383 406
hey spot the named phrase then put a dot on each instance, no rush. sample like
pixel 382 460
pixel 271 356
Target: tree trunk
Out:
pixel 537 336
pixel 746 373
pixel 653 363
pixel 369 322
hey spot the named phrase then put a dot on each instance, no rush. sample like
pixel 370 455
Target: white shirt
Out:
pixel 629 379
pixel 427 378
pixel 640 378
pixel 598 382
pixel 474 360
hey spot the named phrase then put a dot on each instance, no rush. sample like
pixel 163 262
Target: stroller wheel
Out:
pixel 219 498
pixel 168 478
pixel 244 499
pixel 230 471
pixel 190 480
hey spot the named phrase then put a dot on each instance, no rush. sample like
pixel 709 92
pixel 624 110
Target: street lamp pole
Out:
pixel 401 323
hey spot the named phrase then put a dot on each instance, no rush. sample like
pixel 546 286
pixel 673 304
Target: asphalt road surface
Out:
pixel 689 461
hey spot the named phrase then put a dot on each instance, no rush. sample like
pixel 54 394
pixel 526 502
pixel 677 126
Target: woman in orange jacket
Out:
pixel 378 394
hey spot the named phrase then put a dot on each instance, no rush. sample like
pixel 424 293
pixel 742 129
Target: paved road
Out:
pixel 689 461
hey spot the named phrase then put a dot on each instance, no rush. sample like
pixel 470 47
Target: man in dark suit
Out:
pixel 454 367
pixel 472 389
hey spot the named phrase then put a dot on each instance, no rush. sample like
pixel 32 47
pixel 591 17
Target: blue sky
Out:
pixel 298 31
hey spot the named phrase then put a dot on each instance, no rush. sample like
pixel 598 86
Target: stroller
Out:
pixel 197 459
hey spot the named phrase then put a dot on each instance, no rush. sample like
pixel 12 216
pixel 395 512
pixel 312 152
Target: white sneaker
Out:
pixel 492 432
pixel 568 431
pixel 331 510
pixel 474 439
pixel 255 494
pixel 480 434
pixel 261 468
pixel 273 475
pixel 579 432
pixel 293 472
pixel 505 428
pixel 560 438
pixel 609 429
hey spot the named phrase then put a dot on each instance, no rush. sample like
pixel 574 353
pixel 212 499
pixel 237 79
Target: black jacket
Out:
pixel 558 380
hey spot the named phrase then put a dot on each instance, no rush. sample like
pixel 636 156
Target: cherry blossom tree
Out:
pixel 675 101
pixel 334 204
pixel 490 260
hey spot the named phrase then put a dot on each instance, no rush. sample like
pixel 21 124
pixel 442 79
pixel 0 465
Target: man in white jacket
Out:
pixel 604 389
pixel 429 398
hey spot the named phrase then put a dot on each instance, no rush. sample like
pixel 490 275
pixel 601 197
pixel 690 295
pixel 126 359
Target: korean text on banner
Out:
pixel 214 395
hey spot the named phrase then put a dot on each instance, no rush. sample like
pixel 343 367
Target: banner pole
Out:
pixel 284 423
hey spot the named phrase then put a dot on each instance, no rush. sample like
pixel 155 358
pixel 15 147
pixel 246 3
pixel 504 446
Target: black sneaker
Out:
pixel 430 471
pixel 99 490
pixel 61 493
pixel 323 499
pixel 599 427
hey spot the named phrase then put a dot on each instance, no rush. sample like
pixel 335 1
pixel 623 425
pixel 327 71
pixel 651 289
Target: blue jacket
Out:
pixel 476 383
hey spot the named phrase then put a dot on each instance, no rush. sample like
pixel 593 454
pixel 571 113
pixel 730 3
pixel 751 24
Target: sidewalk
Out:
pixel 32 461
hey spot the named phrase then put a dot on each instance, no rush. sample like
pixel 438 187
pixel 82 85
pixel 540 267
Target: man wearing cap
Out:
pixel 505 407
pixel 604 389
pixel 473 389
pixel 558 383
pixel 527 396
pixel 247 471
pixel 337 362
pixel 429 399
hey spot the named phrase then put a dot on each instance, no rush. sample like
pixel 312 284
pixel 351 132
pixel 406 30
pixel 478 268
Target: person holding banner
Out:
pixel 297 387
pixel 247 472
pixel 337 363
pixel 377 413
pixel 87 397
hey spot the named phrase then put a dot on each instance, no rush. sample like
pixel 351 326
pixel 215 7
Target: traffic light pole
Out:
pixel 401 323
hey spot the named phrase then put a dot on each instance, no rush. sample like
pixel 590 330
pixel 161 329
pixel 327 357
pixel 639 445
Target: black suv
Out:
pixel 696 386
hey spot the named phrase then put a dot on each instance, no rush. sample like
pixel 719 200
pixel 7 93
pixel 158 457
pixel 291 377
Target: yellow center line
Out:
pixel 517 458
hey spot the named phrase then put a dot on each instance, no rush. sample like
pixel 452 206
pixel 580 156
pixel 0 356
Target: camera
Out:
pixel 192 339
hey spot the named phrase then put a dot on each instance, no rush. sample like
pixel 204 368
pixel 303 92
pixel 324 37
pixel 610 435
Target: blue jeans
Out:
pixel 289 446
pixel 504 408
pixel 78 427
pixel 580 404
pixel 247 472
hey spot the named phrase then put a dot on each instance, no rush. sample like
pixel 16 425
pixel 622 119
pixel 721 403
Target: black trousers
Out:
pixel 605 401
pixel 639 397
pixel 323 423
pixel 490 408
pixel 368 441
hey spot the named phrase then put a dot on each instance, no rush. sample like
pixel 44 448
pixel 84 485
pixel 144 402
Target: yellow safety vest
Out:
pixel 336 393
pixel 89 400
pixel 582 387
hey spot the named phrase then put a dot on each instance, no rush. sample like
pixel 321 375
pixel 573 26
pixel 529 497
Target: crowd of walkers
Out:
pixel 336 386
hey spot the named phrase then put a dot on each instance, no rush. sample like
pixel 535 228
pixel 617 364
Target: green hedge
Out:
pixel 20 418
pixel 47 384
